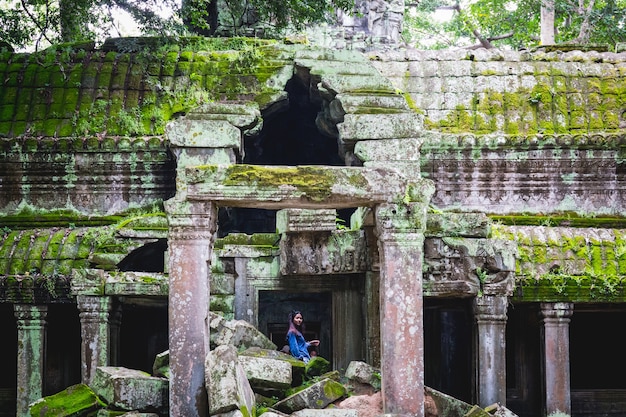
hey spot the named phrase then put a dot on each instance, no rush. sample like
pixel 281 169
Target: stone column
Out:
pixel 400 240
pixel 556 318
pixel 490 313
pixel 191 229
pixel 31 336
pixel 95 333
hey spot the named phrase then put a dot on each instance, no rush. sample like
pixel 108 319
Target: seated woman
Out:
pixel 298 346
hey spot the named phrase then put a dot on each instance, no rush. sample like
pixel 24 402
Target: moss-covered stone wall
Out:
pixel 510 133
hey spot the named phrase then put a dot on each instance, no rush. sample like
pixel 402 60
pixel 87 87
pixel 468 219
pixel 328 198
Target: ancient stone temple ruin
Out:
pixel 453 218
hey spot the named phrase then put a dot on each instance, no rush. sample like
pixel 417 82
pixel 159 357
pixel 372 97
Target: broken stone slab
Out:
pixel 449 406
pixel 327 412
pixel 245 115
pixel 336 84
pixel 297 366
pixel 130 389
pixel 76 400
pixel 360 103
pixel 226 382
pixel 317 396
pixel 363 373
pixel 238 333
pixel 161 365
pixel 266 373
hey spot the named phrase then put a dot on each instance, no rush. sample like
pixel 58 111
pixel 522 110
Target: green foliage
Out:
pixel 516 24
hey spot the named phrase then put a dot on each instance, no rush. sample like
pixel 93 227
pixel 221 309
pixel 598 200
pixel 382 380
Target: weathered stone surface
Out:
pixel 76 400
pixel 226 382
pixel 389 150
pixel 266 372
pixel 129 389
pixel 238 333
pixel 339 252
pixel 317 396
pixel 357 127
pixel 295 187
pixel 363 373
pixel 329 412
pixel 303 220
pixel 297 366
pixel 195 133
pixel 244 116
pixel 161 365
pixel 317 366
pixel 458 224
pixel 447 405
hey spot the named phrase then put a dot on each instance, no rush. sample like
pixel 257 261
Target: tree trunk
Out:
pixel 547 22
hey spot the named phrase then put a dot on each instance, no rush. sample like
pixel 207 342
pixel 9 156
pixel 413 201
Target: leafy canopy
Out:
pixel 38 23
pixel 513 23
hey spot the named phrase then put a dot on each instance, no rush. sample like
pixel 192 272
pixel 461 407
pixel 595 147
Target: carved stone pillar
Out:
pixel 95 333
pixel 490 313
pixel 556 318
pixel 31 336
pixel 400 240
pixel 191 229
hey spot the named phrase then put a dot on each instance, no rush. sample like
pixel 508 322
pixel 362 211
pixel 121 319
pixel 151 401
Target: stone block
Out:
pixel 192 133
pixel 76 400
pixel 266 372
pixel 226 382
pixel 161 365
pixel 306 220
pixel 363 373
pixel 317 396
pixel 380 126
pixel 407 149
pixel 238 333
pixel 337 84
pixel 129 389
pixel 297 366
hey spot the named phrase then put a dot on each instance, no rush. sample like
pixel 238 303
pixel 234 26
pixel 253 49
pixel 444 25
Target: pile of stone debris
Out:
pixel 246 376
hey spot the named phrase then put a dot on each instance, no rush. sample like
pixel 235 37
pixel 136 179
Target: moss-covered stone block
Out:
pixel 77 400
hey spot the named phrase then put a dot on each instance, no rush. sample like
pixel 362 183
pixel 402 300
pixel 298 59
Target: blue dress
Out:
pixel 298 346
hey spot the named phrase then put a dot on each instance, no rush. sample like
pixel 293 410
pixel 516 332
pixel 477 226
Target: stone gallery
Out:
pixel 453 219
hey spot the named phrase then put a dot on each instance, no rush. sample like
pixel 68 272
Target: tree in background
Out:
pixel 38 23
pixel 516 24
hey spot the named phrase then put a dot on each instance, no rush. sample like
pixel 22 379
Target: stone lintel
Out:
pixel 308 187
pixel 306 220
pixel 353 102
pixel 192 133
pixel 458 224
pixel 247 251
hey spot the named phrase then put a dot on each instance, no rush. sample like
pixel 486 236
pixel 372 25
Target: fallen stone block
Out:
pixel 226 382
pixel 130 389
pixel 297 366
pixel 317 366
pixel 75 400
pixel 317 396
pixel 161 365
pixel 238 333
pixel 363 373
pixel 266 372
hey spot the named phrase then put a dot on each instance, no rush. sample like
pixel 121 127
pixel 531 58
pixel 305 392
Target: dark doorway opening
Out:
pixel 143 335
pixel 448 347
pixel 63 341
pixel 316 308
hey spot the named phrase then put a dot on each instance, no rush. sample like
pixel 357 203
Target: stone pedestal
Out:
pixel 556 318
pixel 31 334
pixel 490 313
pixel 192 227
pixel 95 334
pixel 400 242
